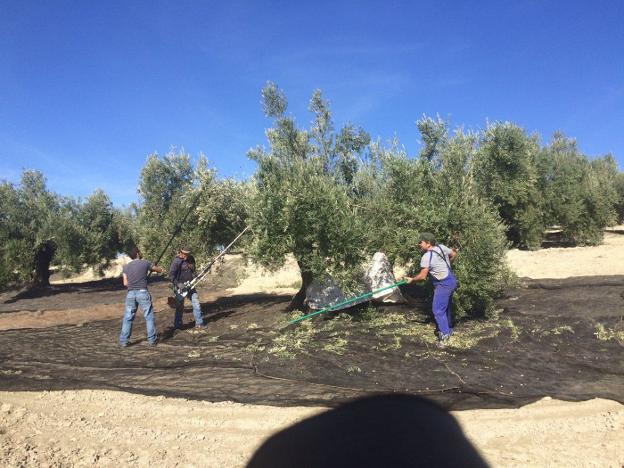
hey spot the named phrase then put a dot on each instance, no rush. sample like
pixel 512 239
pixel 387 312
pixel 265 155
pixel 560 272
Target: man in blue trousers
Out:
pixel 182 270
pixel 135 279
pixel 436 262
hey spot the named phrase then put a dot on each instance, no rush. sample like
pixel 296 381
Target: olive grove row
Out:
pixel 331 197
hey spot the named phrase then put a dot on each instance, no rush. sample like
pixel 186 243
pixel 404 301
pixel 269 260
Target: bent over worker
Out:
pixel 135 279
pixel 436 262
pixel 181 271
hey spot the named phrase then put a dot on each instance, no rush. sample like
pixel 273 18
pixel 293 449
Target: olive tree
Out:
pixel 39 228
pixel 619 204
pixel 579 195
pixel 506 173
pixel 302 203
pixel 605 174
pixel 166 192
pixel 436 191
pixel 182 203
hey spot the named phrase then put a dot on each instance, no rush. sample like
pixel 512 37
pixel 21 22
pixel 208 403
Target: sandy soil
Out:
pixel 104 428
pixel 561 262
pixel 89 274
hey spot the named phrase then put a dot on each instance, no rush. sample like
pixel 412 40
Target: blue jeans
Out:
pixel 177 321
pixel 443 302
pixel 135 298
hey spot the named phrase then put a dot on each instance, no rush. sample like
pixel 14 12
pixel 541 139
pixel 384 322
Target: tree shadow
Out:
pixel 93 286
pixel 616 230
pixel 255 299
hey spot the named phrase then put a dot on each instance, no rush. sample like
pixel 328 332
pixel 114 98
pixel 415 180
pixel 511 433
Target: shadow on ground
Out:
pixel 558 338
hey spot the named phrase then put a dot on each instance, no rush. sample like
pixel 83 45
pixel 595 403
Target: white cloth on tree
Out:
pixel 379 275
pixel 326 293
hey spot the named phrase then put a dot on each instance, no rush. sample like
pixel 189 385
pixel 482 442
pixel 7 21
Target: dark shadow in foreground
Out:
pixel 386 430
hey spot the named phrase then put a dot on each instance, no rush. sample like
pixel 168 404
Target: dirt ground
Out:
pixel 103 427
pixel 106 428
pixel 561 262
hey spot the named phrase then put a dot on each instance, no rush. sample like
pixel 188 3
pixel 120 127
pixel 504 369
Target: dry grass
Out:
pixel 606 334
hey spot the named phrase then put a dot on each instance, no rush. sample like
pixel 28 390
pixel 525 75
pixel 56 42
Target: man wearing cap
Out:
pixel 182 270
pixel 436 262
pixel 135 279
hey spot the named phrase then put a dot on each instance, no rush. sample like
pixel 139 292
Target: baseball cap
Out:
pixel 427 237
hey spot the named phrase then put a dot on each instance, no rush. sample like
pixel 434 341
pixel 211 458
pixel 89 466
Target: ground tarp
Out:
pixel 558 338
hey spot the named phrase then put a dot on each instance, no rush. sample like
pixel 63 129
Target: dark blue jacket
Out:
pixel 181 271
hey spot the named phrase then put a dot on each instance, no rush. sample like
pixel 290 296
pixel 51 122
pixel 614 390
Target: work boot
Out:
pixel 443 340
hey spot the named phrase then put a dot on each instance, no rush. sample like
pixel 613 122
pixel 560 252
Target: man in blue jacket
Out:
pixel 181 271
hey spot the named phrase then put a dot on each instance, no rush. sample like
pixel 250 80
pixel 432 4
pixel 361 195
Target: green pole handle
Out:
pixel 348 301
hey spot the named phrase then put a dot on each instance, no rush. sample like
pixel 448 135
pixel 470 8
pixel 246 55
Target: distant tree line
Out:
pixel 39 228
pixel 332 197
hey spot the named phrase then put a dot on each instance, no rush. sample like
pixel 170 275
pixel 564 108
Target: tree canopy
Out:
pixel 580 196
pixel 334 199
pixel 188 205
pixel 506 174
pixel 302 204
pixel 436 191
pixel 39 228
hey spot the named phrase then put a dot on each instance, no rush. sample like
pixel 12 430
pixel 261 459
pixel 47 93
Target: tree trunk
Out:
pixel 43 257
pixel 297 302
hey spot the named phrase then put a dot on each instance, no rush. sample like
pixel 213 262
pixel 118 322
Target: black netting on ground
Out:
pixel 558 338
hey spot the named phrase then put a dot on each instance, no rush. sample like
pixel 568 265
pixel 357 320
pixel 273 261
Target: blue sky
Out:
pixel 89 89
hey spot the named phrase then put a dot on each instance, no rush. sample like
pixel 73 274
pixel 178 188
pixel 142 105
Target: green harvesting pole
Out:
pixel 348 301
